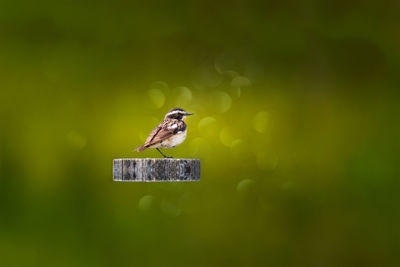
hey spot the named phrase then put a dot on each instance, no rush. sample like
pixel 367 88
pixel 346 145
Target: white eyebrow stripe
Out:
pixel 173 126
pixel 174 112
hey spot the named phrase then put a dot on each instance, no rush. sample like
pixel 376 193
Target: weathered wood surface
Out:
pixel 156 170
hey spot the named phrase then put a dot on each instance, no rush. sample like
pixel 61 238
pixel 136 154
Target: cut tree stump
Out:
pixel 156 170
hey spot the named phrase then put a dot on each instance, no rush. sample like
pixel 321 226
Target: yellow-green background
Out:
pixel 296 124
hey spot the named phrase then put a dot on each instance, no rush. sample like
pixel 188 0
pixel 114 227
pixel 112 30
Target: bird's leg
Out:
pixel 163 154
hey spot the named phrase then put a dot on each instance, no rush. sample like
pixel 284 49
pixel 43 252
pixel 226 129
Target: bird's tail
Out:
pixel 141 148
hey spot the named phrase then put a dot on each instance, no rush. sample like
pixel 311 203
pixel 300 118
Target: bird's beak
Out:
pixel 188 113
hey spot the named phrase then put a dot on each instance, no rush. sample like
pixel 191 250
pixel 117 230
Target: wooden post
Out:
pixel 156 170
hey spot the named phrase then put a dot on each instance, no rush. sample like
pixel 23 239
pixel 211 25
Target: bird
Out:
pixel 169 133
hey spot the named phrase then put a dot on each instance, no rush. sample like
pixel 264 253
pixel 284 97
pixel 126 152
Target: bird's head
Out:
pixel 177 113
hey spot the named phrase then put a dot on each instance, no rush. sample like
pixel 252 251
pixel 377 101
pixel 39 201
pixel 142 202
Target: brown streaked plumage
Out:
pixel 169 133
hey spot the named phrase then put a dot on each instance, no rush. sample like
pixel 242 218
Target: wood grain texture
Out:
pixel 156 170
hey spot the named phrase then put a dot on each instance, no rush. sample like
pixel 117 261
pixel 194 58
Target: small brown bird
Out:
pixel 169 133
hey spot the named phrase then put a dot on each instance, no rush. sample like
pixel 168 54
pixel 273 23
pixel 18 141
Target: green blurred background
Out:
pixel 296 125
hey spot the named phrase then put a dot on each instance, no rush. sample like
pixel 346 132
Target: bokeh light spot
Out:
pixel 237 143
pixel 231 73
pixel 184 97
pixel 222 101
pixel 240 149
pixel 207 126
pixel 226 137
pixel 160 85
pixel 245 186
pixel 207 77
pixel 240 81
pixel 145 202
pixel 157 97
pixel 261 121
pixel 255 72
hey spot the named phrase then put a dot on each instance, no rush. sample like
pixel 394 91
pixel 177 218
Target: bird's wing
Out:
pixel 163 131
pixel 161 136
pixel 153 134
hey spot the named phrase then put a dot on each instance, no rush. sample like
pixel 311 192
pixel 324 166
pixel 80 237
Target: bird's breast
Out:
pixel 174 140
